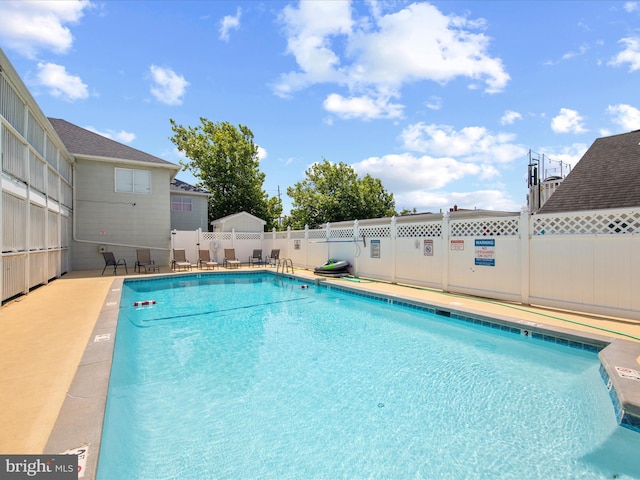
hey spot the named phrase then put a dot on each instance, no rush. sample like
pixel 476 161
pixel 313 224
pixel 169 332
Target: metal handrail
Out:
pixel 284 263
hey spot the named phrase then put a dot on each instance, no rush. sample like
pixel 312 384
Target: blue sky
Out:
pixel 440 100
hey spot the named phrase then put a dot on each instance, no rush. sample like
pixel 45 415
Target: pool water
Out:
pixel 251 376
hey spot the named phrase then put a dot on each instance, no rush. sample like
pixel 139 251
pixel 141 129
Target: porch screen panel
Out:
pixel 14 222
pixel 37 240
pixel 35 135
pixel 37 172
pixel 54 230
pixel 13 155
pixel 11 107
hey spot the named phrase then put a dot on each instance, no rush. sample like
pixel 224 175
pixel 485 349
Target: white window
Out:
pixel 181 204
pixel 133 181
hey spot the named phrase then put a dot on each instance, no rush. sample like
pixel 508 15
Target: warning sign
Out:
pixel 485 252
pixel 428 248
pixel 628 373
pixel 457 245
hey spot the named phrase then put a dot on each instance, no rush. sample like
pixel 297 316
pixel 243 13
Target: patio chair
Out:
pixel 143 260
pixel 274 256
pixel 180 260
pixel 110 261
pixel 256 258
pixel 204 260
pixel 230 259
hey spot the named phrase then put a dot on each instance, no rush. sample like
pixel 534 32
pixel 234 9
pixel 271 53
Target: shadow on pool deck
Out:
pixel 46 333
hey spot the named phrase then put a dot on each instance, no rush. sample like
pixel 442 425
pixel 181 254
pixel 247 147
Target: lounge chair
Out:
pixel 274 256
pixel 180 260
pixel 143 256
pixel 110 261
pixel 230 259
pixel 205 261
pixel 256 258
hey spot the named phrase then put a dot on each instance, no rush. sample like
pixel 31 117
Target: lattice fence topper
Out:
pixel 249 235
pixel 587 223
pixel 484 228
pixel 413 230
pixel 318 233
pixel 378 231
pixel 216 236
pixel 341 233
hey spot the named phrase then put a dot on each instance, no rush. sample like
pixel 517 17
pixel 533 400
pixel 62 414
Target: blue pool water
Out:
pixel 251 376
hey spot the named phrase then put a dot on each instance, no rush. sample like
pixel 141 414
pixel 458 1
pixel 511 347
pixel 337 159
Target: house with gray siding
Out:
pixel 189 207
pixel 122 198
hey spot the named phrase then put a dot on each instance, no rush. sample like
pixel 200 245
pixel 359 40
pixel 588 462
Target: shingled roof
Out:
pixel 605 177
pixel 180 186
pixel 80 141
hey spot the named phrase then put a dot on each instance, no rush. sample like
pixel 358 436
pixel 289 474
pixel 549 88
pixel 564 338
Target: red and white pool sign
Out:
pixel 629 373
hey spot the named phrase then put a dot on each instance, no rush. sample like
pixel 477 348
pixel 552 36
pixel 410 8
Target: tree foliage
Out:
pixel 333 193
pixel 225 159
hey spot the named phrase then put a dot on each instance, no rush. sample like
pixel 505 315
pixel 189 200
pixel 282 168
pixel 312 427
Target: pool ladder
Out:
pixel 285 263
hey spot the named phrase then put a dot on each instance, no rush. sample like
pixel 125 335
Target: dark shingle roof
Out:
pixel 80 141
pixel 605 177
pixel 180 186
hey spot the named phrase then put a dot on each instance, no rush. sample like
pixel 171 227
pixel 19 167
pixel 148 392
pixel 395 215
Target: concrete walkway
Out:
pixel 44 334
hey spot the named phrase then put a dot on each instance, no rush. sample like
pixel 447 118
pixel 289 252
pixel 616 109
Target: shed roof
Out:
pixel 605 177
pixel 80 141
pixel 236 215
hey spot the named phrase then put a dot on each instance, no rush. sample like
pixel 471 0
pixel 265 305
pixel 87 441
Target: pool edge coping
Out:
pixel 80 421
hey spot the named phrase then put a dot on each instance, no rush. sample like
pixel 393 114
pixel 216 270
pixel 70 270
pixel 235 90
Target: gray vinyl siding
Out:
pixel 141 220
pixel 196 218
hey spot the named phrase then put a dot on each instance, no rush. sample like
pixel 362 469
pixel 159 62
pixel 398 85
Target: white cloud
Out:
pixel 121 136
pixel 509 117
pixel 474 144
pixel 228 23
pixel 28 26
pixel 626 116
pixel 365 107
pixel 168 86
pixel 630 55
pixel 631 6
pixel 568 121
pixel 416 43
pixel 407 172
pixel 434 103
pixel 60 83
pixel 262 153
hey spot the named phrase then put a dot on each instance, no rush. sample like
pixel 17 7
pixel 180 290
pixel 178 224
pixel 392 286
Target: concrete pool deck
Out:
pixel 50 333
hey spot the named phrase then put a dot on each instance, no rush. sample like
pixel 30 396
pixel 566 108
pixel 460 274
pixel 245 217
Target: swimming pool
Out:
pixel 252 376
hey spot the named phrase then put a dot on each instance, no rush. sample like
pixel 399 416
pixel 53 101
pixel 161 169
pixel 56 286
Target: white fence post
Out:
pixel 356 236
pixel 393 235
pixel 525 243
pixel 306 246
pixel 445 251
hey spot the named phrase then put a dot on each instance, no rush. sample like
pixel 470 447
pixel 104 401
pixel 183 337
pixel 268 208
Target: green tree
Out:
pixel 225 159
pixel 333 193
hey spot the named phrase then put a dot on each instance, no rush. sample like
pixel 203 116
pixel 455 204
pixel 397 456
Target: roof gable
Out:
pixel 80 141
pixel 605 177
pixel 236 215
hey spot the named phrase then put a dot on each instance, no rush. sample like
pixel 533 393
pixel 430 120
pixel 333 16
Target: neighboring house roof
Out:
pixel 178 186
pixel 82 142
pixel 605 177
pixel 236 215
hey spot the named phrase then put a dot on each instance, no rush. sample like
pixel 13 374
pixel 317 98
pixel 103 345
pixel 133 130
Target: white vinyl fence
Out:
pixel 584 261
